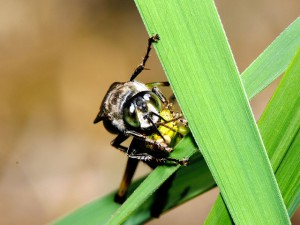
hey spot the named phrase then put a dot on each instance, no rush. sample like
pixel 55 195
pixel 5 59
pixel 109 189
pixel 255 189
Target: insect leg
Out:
pixel 179 117
pixel 150 158
pixel 156 145
pixel 161 197
pixel 183 162
pixel 158 84
pixel 163 99
pixel 131 166
pixel 117 142
pixel 141 67
pixel 160 95
pixel 146 157
pixel 172 98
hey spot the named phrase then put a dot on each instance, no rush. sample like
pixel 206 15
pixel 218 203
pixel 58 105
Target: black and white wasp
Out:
pixel 141 111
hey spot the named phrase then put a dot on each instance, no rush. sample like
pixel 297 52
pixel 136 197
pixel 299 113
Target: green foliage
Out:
pixel 209 91
pixel 197 60
pixel 273 61
pixel 279 127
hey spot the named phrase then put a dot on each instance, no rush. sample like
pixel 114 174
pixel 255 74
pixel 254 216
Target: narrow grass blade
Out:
pixel 151 184
pixel 281 120
pixel 285 150
pixel 94 213
pixel 185 186
pixel 273 61
pixel 197 59
pixel 288 176
pixel 186 183
pixel 279 126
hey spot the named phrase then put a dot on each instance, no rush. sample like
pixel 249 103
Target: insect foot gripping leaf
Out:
pixel 171 127
pixel 141 111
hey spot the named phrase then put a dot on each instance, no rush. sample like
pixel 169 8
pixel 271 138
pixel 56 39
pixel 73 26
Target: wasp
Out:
pixel 141 111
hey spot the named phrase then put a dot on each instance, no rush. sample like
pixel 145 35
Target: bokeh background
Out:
pixel 57 60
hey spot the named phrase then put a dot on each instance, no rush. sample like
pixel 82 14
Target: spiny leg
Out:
pixel 141 67
pixel 155 156
pixel 183 162
pixel 143 156
pixel 179 117
pixel 156 145
pixel 150 158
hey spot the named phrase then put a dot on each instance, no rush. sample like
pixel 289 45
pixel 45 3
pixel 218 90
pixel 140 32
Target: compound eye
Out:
pixel 130 115
pixel 153 102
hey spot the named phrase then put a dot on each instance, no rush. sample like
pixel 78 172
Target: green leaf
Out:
pixel 281 120
pixel 281 134
pixel 198 62
pixel 151 184
pixel 99 211
pixel 95 212
pixel 186 183
pixel 288 176
pixel 279 127
pixel 185 186
pixel 273 61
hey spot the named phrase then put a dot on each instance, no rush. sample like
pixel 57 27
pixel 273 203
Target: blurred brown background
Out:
pixel 57 60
